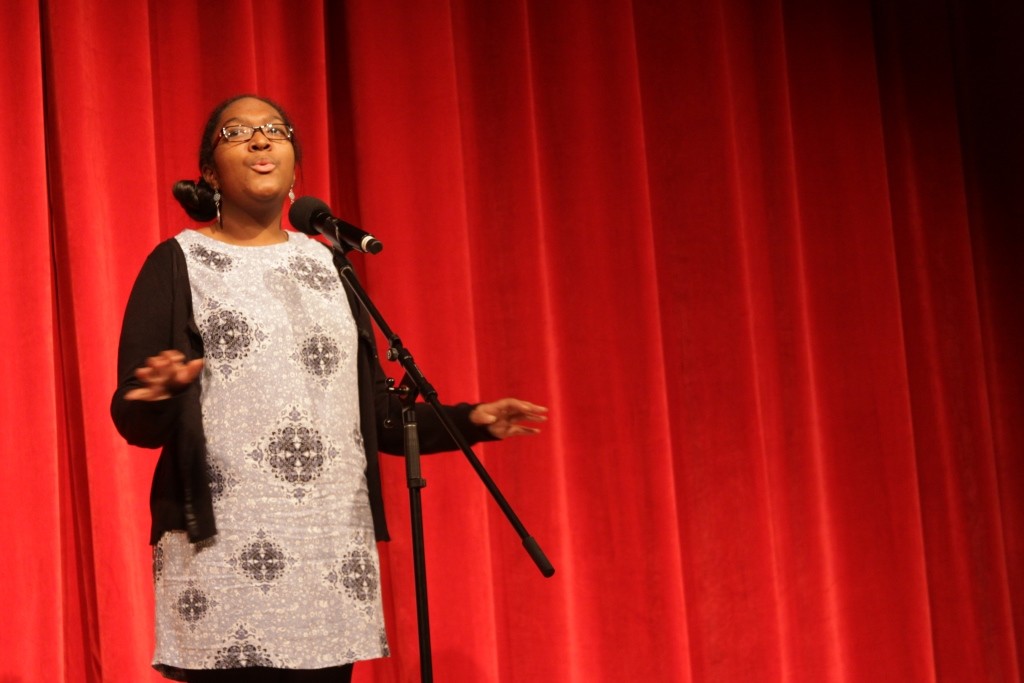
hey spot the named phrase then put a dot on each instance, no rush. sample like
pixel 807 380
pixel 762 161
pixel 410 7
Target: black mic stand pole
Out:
pixel 412 383
pixel 416 483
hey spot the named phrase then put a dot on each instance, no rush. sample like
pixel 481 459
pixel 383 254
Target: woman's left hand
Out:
pixel 503 417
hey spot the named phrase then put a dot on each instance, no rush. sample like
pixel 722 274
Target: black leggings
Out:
pixel 260 674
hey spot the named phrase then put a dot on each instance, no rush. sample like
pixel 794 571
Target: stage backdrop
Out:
pixel 761 258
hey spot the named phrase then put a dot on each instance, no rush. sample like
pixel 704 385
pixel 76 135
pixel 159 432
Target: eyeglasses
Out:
pixel 240 133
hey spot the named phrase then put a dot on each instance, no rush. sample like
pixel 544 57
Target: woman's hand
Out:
pixel 503 416
pixel 164 375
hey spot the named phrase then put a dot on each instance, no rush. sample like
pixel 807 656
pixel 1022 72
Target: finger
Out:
pixel 515 405
pixel 165 359
pixel 156 373
pixel 150 376
pixel 527 417
pixel 172 356
pixel 189 371
pixel 157 367
pixel 136 394
pixel 145 394
pixel 529 407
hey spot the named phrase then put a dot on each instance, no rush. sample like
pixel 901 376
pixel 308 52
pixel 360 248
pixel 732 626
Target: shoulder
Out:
pixel 169 247
pixel 304 241
pixel 163 267
pixel 165 255
pixel 310 246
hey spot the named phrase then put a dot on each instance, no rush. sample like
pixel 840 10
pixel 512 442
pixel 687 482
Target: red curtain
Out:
pixel 761 259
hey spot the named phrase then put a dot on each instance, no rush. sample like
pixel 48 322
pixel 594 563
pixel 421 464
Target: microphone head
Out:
pixel 305 212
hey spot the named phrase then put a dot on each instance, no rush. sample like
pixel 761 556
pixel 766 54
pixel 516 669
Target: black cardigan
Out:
pixel 159 317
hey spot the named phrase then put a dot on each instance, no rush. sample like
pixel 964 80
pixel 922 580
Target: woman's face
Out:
pixel 259 171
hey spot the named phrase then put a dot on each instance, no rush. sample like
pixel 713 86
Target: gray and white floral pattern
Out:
pixel 193 604
pixel 292 577
pixel 242 650
pixel 211 257
pixel 230 337
pixel 356 573
pixel 295 452
pixel 320 355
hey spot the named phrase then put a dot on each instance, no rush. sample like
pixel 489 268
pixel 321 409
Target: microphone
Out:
pixel 312 216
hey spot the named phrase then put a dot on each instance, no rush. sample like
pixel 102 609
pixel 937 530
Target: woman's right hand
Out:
pixel 164 375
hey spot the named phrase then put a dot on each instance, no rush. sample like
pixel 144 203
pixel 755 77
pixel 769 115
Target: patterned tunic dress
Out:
pixel 291 580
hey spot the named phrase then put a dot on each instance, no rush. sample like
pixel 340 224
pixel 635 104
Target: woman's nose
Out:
pixel 259 140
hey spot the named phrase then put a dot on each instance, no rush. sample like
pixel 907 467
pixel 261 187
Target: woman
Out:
pixel 246 360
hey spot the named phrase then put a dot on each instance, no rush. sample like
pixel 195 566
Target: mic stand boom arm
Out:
pixel 398 352
pixel 420 385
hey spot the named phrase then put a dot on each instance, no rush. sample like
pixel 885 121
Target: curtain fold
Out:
pixel 31 436
pixel 761 259
pixel 945 357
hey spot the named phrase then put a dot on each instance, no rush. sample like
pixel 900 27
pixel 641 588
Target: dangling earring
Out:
pixel 216 202
pixel 291 194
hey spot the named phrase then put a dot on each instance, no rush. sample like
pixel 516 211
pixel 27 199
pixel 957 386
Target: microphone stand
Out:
pixel 414 384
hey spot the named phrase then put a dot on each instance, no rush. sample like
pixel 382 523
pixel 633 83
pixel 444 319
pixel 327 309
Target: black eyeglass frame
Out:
pixel 223 134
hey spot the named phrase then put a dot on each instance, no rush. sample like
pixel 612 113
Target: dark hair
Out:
pixel 196 197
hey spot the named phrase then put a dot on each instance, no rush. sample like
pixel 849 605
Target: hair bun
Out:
pixel 196 198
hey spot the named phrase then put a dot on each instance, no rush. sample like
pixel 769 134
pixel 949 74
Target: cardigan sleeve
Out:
pixel 433 437
pixel 150 319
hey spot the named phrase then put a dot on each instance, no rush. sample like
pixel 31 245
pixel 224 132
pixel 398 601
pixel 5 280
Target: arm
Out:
pixel 483 422
pixel 152 381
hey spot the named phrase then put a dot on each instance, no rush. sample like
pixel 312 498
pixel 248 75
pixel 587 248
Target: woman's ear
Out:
pixel 210 176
